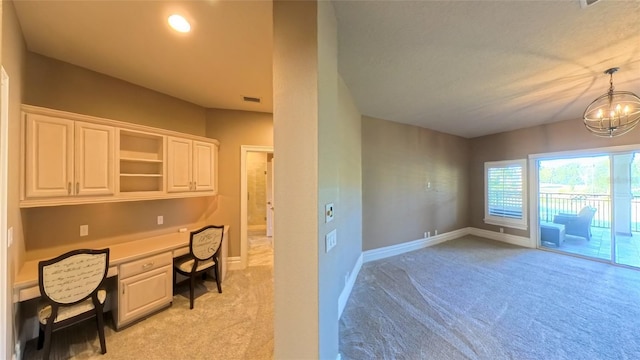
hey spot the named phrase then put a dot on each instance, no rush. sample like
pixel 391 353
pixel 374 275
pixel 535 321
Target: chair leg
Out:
pixel 217 274
pixel 192 285
pixel 47 339
pixel 100 321
pixel 174 280
pixel 40 337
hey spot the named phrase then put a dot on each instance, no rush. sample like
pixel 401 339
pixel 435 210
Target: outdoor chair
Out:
pixel 577 225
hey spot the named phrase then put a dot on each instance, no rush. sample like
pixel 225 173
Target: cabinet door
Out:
pixel 179 164
pixel 203 166
pixel 94 159
pixel 142 294
pixel 49 156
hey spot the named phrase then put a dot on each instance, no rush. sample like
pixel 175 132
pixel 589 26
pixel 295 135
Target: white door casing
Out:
pixel 270 203
pixel 6 313
pixel 244 246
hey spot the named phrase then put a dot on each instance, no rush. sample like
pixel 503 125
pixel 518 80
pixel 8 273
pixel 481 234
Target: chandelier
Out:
pixel 614 113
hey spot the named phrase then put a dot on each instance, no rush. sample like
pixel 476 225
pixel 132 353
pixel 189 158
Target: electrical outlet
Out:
pixel 10 237
pixel 330 240
pixel 501 230
pixel 84 230
pixel 160 219
pixel 328 212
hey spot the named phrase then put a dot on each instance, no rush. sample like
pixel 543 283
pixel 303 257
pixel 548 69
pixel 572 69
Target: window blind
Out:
pixel 505 192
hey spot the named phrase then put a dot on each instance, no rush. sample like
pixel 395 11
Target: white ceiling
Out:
pixel 227 54
pixel 468 68
pixel 473 68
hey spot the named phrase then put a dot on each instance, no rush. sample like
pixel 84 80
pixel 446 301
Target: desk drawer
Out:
pixel 144 265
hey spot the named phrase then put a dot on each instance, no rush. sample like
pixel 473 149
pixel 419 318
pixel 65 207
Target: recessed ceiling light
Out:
pixel 179 23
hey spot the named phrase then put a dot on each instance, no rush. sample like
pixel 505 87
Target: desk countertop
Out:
pixel 25 285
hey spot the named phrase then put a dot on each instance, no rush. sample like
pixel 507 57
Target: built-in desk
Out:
pixel 122 256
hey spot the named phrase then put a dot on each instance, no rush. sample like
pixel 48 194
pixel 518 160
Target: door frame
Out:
pixel 534 193
pixel 6 331
pixel 244 245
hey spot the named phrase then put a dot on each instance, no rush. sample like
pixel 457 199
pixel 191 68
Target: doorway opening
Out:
pixel 589 206
pixel 257 208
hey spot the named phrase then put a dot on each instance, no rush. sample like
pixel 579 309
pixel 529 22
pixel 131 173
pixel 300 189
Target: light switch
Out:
pixel 160 219
pixel 84 230
pixel 331 239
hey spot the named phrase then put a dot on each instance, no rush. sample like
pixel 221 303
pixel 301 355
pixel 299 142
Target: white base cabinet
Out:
pixel 144 286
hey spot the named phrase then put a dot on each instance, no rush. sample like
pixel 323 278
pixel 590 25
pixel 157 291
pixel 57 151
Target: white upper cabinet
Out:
pixel 71 158
pixel 192 165
pixel 204 165
pixel 68 158
pixel 94 159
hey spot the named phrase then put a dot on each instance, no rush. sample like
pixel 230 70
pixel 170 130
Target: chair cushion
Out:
pixel 67 312
pixel 202 265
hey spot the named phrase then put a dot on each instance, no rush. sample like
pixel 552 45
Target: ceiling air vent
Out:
pixel 587 3
pixel 252 99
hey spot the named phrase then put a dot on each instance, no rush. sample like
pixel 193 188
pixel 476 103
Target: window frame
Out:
pixel 504 221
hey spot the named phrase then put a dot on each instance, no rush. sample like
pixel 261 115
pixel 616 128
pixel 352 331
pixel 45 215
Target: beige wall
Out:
pixel 339 181
pixel 317 136
pixel 398 163
pixel 257 190
pixel 13 52
pixel 55 230
pixel 58 85
pixel 295 121
pixel 63 86
pixel 519 144
pixel 233 129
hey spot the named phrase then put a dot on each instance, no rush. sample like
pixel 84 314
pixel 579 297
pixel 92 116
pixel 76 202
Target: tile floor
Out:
pixel 627 247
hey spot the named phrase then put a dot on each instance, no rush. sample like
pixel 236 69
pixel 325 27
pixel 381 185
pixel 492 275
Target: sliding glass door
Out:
pixel 575 205
pixel 590 206
pixel 626 203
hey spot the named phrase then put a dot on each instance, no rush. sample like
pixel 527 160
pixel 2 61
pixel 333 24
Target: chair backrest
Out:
pixel 204 243
pixel 587 213
pixel 74 276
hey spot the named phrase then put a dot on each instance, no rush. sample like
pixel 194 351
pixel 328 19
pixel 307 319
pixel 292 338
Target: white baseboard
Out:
pixel 510 239
pixel 393 250
pixel 234 263
pixel 346 292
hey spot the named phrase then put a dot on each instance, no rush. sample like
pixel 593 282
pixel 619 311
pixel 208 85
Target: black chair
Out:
pixel 204 254
pixel 70 285
pixel 577 224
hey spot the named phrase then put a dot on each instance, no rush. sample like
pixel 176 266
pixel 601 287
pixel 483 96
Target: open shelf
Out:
pixel 141 162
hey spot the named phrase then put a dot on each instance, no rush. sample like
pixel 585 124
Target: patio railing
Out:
pixel 554 203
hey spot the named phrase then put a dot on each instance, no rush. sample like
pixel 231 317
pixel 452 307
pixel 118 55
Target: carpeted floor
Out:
pixel 237 324
pixel 472 298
